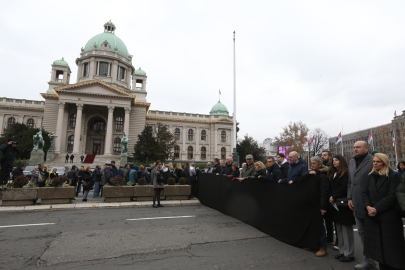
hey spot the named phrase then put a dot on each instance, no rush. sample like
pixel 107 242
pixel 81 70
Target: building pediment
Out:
pixel 94 87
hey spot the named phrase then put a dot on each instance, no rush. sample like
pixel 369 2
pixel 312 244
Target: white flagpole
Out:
pixel 395 146
pixel 372 138
pixel 234 101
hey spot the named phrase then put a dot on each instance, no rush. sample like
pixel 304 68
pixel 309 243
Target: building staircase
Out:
pixel 98 159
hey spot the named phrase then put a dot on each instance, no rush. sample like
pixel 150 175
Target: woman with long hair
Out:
pixel 343 216
pixel 401 169
pixel 383 232
pixel 158 183
pixel 53 174
pixel 87 182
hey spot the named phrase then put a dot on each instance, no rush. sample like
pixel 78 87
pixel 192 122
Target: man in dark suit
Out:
pixel 359 168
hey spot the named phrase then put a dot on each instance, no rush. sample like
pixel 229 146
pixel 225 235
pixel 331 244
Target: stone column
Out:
pixel 184 140
pixel 126 121
pixel 197 137
pixel 59 127
pixel 216 141
pixel 78 129
pixel 109 133
pixel 1 123
pixel 39 122
pixel 92 69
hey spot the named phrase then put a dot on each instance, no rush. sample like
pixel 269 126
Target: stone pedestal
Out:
pixel 36 157
pixel 124 159
pixel 50 156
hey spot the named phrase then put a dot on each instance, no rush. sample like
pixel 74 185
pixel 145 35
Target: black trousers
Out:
pixel 387 267
pixel 329 228
pixel 6 168
pixel 194 189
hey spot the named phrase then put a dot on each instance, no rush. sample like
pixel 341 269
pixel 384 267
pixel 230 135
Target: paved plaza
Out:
pixel 173 237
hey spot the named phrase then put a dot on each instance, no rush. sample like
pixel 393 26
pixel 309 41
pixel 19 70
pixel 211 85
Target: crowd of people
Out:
pixel 364 192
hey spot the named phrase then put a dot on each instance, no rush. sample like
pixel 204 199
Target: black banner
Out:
pixel 289 213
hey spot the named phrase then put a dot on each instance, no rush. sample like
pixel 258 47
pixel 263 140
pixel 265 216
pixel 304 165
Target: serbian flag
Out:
pixel 370 137
pixel 305 142
pixel 395 113
pixel 312 140
pixel 393 138
pixel 339 138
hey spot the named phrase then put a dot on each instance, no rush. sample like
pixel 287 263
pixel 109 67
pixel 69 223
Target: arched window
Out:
pixel 203 135
pixel 71 140
pixel 117 146
pixel 190 134
pixel 118 123
pixel 223 153
pixel 177 134
pixel 203 153
pixel 31 123
pixel 223 136
pixel 190 152
pixel 98 125
pixel 73 120
pixel 10 122
pixel 176 151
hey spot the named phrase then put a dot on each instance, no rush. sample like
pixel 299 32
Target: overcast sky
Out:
pixel 327 63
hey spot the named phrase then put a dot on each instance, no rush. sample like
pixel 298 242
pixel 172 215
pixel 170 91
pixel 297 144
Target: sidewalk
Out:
pixel 92 203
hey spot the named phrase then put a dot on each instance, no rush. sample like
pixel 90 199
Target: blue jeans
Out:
pixel 96 188
pixel 322 238
pixel 85 194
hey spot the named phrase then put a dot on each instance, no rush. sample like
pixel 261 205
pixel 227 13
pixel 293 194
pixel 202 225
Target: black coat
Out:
pixel 274 173
pixel 97 175
pixel 53 175
pixel 339 190
pixel 87 179
pixel 217 168
pixel 228 169
pixel 284 169
pixel 324 187
pixel 8 153
pixel 17 171
pixel 384 233
pixel 72 176
pixel 235 173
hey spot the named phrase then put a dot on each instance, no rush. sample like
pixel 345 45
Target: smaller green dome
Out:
pixel 60 62
pixel 110 22
pixel 140 72
pixel 219 109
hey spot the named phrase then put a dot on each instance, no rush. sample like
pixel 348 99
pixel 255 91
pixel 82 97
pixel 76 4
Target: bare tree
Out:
pixel 320 143
pixel 293 135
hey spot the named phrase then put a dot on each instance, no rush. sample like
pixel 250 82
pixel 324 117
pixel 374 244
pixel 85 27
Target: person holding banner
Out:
pixel 342 216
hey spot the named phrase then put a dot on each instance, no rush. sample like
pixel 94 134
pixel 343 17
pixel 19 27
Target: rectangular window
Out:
pixel 103 69
pixel 122 74
pixel 85 69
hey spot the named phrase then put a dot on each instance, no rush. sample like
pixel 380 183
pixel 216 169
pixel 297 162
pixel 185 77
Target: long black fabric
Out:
pixel 289 213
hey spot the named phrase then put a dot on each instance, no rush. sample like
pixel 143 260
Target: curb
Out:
pixel 89 205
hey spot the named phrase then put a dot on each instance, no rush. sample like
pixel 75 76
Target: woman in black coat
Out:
pixel 260 171
pixel 53 174
pixel 384 232
pixel 343 219
pixel 87 183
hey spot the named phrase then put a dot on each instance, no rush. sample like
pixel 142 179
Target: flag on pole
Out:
pixel 395 113
pixel 339 138
pixel 219 91
pixel 370 137
pixel 312 140
pixel 305 142
pixel 393 138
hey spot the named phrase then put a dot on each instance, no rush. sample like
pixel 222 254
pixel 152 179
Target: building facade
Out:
pixel 108 99
pixel 382 140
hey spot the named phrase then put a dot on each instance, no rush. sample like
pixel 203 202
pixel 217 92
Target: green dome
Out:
pixel 219 109
pixel 60 62
pixel 111 38
pixel 140 72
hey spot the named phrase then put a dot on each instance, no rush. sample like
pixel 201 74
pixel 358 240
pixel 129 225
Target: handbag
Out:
pixel 342 202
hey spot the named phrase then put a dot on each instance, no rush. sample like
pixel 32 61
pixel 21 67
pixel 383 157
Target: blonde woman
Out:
pixel 260 171
pixel 383 233
pixel 53 173
pixel 178 172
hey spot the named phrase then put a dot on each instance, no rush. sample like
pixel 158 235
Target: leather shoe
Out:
pixel 155 206
pixel 337 257
pixel 346 259
pixel 321 253
pixel 365 265
pixel 159 205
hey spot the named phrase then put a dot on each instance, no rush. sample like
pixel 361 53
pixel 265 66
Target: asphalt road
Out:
pixel 193 237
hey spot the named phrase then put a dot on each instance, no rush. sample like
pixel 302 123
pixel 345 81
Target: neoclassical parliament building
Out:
pixel 108 99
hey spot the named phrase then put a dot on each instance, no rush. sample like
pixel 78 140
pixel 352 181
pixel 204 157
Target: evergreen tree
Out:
pixel 24 136
pixel 154 143
pixel 248 145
